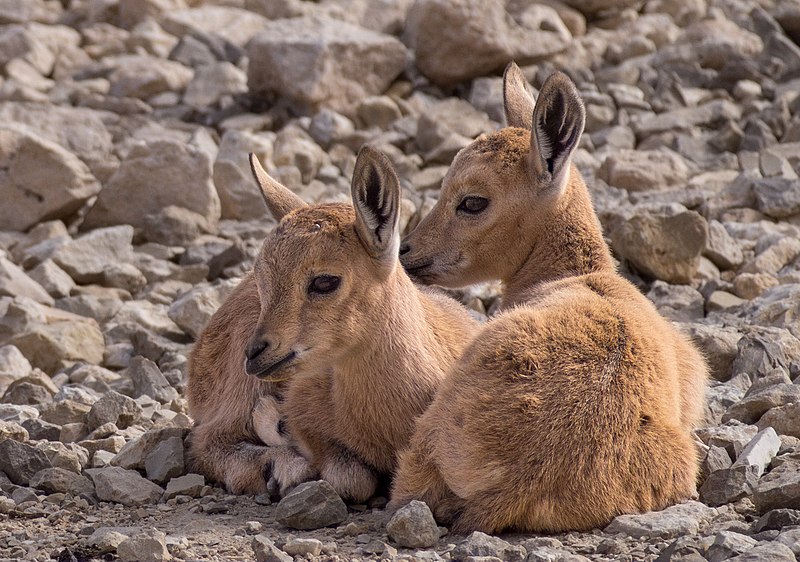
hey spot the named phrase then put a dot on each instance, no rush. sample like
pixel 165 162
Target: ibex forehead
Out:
pixel 319 219
pixel 507 146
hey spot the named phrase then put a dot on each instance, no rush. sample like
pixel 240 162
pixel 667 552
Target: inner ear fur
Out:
pixel 558 121
pixel 280 200
pixel 376 199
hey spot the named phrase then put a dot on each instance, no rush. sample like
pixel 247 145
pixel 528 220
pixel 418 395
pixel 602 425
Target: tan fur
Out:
pixel 225 443
pixel 366 359
pixel 574 405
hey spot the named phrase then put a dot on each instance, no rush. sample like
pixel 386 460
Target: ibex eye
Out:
pixel 323 284
pixel 472 205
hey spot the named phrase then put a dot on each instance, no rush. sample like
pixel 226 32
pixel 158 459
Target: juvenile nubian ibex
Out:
pixel 238 438
pixel 363 348
pixel 576 403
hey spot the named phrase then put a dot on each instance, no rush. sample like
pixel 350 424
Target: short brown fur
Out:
pixel 362 360
pixel 574 405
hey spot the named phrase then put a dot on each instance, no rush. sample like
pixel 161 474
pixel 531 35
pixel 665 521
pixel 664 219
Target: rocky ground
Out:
pixel 128 213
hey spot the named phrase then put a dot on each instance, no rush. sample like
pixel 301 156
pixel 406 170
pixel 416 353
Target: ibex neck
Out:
pixel 568 243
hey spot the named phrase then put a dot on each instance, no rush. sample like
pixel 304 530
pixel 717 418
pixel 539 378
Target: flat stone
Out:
pixel 760 451
pixel 643 170
pixel 148 380
pixel 311 505
pixel 105 540
pixel 303 547
pixel 53 480
pixel 15 282
pixel 728 544
pixel 481 544
pixel 413 526
pixel 722 248
pixel 673 521
pixel 190 485
pixel 87 257
pixel 777 519
pixel 785 420
pixel 766 552
pixel 193 309
pixel 752 407
pixel 13 430
pixel 134 454
pixel 127 487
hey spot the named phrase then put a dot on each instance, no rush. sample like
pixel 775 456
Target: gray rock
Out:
pixel 134 454
pixel 40 429
pixel 26 188
pixel 447 126
pixel 766 552
pixel 303 547
pixel 722 248
pixel 190 485
pixel 233 24
pixel 413 526
pixel 212 83
pixel 334 64
pixel 791 538
pixel 181 174
pixel 144 76
pixel 13 362
pixel 21 461
pixel 680 303
pixel 15 282
pixel 777 519
pixel 311 505
pixel 53 279
pixel 165 461
pixel 707 114
pixel 146 545
pixel 148 380
pixel 733 436
pixel 114 408
pixel 779 488
pixel 550 554
pixel 728 544
pixel 481 544
pixel 440 33
pixel 777 197
pixel 105 540
pixel 643 170
pixel 729 485
pixel 53 480
pixel 663 247
pixel 760 451
pixel 785 420
pixel 673 521
pixel 86 258
pixel 127 487
pixel 752 407
pixel 266 551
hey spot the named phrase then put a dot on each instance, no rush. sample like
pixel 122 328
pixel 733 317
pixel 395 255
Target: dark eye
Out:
pixel 472 204
pixel 323 284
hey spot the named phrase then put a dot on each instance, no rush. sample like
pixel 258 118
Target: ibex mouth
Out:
pixel 264 373
pixel 416 269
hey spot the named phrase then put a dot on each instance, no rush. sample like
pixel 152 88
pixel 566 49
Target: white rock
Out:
pixel 212 82
pixel 192 310
pixel 760 451
pixel 87 257
pixel 15 282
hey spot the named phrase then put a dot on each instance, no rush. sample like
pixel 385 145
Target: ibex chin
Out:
pixel 576 403
pixel 361 349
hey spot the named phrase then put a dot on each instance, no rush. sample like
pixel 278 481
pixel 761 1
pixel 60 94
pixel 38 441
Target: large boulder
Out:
pixel 238 192
pixel 232 24
pixel 457 40
pixel 28 165
pixel 155 175
pixel 318 61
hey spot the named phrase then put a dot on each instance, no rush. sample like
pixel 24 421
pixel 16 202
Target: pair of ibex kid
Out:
pixel 573 406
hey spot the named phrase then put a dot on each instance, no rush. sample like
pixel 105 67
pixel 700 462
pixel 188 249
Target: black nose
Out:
pixel 255 348
pixel 404 249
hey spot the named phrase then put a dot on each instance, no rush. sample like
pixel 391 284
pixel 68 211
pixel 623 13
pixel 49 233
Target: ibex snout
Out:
pixel 263 357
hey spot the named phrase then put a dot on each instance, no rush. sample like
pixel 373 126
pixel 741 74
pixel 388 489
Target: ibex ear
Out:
pixel 280 200
pixel 558 120
pixel 517 99
pixel 376 198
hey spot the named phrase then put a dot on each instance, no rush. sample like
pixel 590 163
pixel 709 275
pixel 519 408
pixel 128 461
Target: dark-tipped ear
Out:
pixel 558 120
pixel 376 198
pixel 280 200
pixel 518 101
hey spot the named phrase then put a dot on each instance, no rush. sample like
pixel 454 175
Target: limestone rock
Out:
pixel 266 551
pixel 15 282
pixel 87 257
pixel 192 310
pixel 146 545
pixel 53 480
pixel 148 380
pixel 29 163
pixel 114 408
pixel 674 521
pixel 127 487
pixel 332 63
pixel 165 461
pixel 311 505
pixel 231 23
pixel 21 461
pixel 481 544
pixel 643 170
pixel 155 175
pixel 413 526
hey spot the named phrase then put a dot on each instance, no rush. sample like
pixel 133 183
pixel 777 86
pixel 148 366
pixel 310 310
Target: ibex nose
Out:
pixel 255 348
pixel 404 248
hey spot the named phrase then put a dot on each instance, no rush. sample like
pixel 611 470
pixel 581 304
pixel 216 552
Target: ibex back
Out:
pixel 575 404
